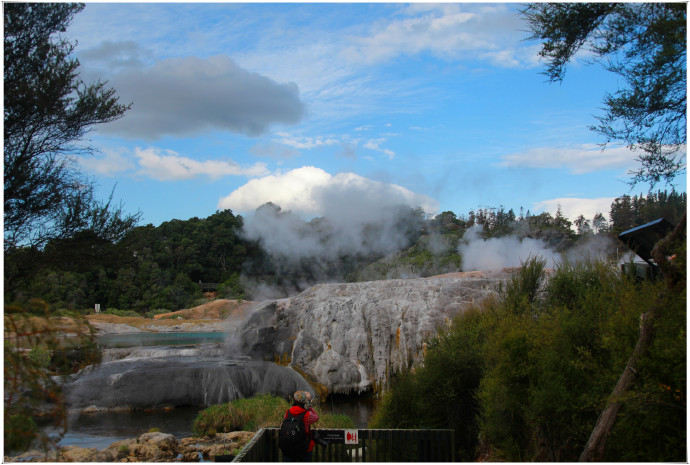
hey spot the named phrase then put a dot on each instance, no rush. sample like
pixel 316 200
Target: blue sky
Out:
pixel 335 108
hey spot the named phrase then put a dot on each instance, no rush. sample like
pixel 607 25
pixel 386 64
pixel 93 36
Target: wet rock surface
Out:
pixel 177 381
pixel 351 337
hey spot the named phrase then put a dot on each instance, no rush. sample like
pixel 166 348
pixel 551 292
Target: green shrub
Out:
pixel 399 407
pixel 525 377
pixel 122 313
pixel 19 431
pixel 40 357
pixel 156 311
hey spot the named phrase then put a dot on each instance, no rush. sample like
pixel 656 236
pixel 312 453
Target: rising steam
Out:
pixel 496 253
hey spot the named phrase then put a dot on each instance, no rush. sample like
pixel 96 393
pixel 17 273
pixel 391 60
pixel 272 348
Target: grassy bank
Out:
pixel 254 413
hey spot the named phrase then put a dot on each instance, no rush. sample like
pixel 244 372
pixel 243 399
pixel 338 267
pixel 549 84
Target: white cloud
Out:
pixel 447 31
pixel 166 165
pixel 572 207
pixel 313 192
pixel 375 144
pixel 579 160
pixel 185 96
pixel 303 142
pixel 110 163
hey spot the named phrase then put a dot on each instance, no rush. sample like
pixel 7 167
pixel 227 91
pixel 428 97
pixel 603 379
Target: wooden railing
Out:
pixel 205 287
pixel 372 445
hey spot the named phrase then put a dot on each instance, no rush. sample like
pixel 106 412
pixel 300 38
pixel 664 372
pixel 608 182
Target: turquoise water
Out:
pixel 157 339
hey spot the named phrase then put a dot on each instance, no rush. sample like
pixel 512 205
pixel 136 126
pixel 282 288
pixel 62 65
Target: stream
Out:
pixel 100 429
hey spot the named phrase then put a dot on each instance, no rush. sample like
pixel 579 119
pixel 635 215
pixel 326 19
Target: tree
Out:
pixel 48 111
pixel 644 43
pixel 599 223
pixel 582 224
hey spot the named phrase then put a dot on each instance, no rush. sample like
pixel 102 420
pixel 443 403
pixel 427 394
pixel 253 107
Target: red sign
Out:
pixel 351 436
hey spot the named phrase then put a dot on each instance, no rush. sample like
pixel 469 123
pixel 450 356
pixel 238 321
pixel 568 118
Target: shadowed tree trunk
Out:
pixel 595 447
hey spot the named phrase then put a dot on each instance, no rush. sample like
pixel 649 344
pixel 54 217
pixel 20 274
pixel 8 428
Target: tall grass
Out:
pixel 254 413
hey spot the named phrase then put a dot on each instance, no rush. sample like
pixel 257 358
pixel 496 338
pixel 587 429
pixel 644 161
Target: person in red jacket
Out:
pixel 302 403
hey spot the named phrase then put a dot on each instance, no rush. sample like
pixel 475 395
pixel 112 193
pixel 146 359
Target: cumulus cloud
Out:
pixel 184 96
pixel 572 207
pixel 579 160
pixel 167 165
pixel 312 191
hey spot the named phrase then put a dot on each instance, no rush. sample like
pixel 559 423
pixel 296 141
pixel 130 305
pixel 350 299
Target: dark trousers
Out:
pixel 305 458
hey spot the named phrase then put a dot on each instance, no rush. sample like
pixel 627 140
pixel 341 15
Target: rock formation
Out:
pixel 177 381
pixel 351 337
pixel 149 447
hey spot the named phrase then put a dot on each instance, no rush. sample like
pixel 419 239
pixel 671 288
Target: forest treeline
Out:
pixel 524 376
pixel 159 268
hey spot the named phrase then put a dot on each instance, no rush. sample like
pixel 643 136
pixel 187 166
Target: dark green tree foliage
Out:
pixel 48 111
pixel 645 44
pixel 525 377
pixel 629 212
pixel 149 268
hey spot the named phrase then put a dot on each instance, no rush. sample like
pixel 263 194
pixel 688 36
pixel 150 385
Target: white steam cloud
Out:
pixel 497 253
pixel 353 217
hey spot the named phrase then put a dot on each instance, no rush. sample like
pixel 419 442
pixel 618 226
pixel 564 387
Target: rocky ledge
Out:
pixel 149 447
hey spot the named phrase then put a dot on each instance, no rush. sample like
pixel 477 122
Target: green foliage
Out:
pixel 47 114
pixel 19 431
pixel 254 413
pixel 629 212
pixel 231 288
pixel 334 420
pixel 645 45
pixel 249 414
pixel 399 407
pixel 33 355
pixel 40 357
pixel 156 311
pixel 431 255
pixel 524 377
pixel 123 313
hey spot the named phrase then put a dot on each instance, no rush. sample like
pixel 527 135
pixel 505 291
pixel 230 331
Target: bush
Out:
pixel 40 357
pixel 19 431
pixel 156 311
pixel 525 377
pixel 122 313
